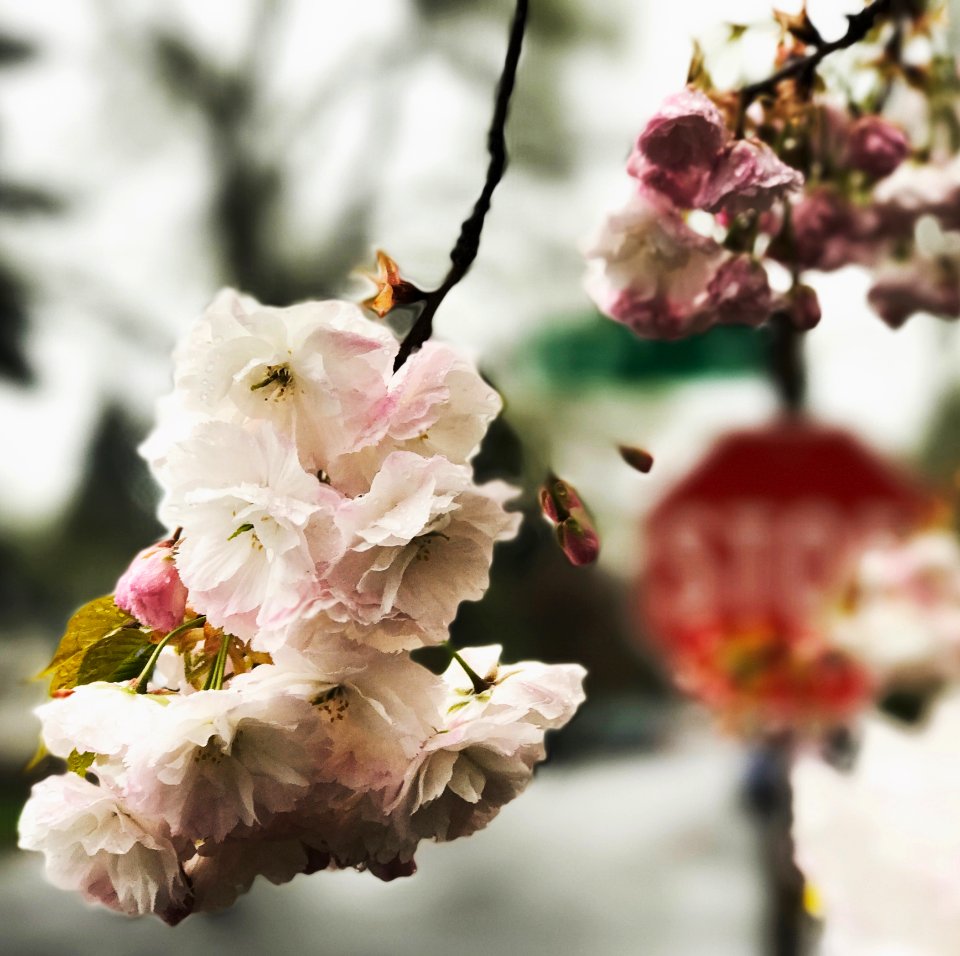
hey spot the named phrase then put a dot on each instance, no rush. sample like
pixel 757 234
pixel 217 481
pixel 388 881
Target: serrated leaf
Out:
pixel 114 656
pixel 80 763
pixel 90 624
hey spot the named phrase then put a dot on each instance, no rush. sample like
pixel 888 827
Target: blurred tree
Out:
pixel 539 132
pixel 17 200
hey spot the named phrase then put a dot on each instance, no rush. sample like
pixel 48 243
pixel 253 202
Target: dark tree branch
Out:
pixel 860 24
pixel 785 363
pixel 468 243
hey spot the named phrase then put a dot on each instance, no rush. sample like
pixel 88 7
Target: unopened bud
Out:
pixel 151 589
pixel 637 458
pixel 802 307
pixel 580 543
pixel 576 534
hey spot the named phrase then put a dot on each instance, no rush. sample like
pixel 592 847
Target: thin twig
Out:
pixel 859 25
pixel 468 243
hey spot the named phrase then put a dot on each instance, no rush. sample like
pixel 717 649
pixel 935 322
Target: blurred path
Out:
pixel 646 855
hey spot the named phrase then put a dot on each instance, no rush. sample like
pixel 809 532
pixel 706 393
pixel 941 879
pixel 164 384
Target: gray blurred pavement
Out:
pixel 646 855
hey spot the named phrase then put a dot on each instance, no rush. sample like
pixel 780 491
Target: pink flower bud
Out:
pixel 803 307
pixel 562 505
pixel 151 589
pixel 876 146
pixel 579 542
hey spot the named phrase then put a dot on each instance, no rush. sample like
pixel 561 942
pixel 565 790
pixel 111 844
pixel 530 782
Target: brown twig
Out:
pixel 468 243
pixel 859 25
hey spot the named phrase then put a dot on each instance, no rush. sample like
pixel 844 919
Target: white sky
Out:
pixel 138 186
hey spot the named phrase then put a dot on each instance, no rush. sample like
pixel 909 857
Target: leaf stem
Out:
pixel 214 679
pixel 468 242
pixel 141 682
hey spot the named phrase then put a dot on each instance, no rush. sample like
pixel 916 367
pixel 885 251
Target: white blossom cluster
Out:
pixel 902 617
pixel 879 844
pixel 328 524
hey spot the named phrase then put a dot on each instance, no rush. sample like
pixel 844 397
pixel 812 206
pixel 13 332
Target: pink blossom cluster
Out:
pixel 648 267
pixel 715 211
pixel 873 205
pixel 328 524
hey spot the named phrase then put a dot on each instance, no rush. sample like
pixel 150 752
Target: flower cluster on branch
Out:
pixel 740 194
pixel 245 703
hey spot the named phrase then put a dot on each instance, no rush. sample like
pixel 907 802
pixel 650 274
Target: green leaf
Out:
pixel 117 656
pixel 93 622
pixel 80 763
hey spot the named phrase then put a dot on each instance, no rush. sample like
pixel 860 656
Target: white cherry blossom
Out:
pixel 329 518
pixel 96 845
pixel 217 759
pixel 256 526
pixel 418 543
pixel 437 405
pixel 374 709
pixel 99 718
pixel 487 742
pixel 318 371
pixel 221 872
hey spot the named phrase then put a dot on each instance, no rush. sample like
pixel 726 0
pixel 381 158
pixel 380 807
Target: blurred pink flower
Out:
pixel 919 285
pixel 827 232
pixel 650 271
pixel 876 146
pixel 749 176
pixel 915 190
pixel 687 154
pixel 679 147
pixel 739 292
